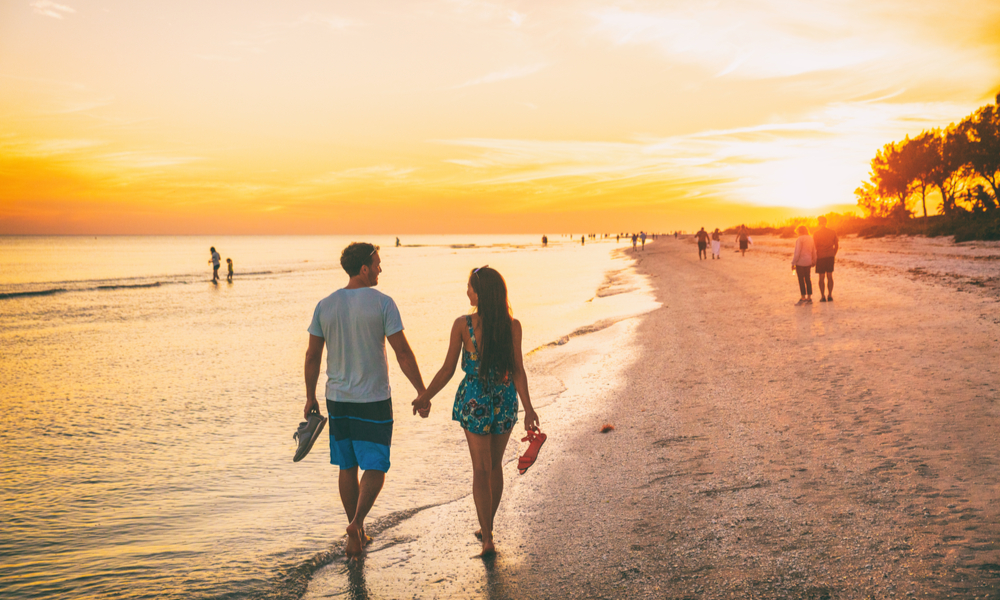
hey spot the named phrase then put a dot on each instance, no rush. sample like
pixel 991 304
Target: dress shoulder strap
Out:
pixel 472 332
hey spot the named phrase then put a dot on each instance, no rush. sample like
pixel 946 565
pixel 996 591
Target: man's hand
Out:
pixel 311 406
pixel 421 407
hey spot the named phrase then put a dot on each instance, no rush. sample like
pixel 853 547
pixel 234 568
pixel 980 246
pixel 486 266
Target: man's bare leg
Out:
pixel 364 495
pixel 822 286
pixel 829 284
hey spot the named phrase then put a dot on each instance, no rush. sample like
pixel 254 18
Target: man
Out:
pixel 643 236
pixel 216 261
pixel 827 245
pixel 702 237
pixel 743 237
pixel 354 323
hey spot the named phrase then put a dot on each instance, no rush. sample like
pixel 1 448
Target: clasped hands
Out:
pixel 421 406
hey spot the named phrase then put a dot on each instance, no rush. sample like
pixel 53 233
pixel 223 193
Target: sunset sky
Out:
pixel 442 116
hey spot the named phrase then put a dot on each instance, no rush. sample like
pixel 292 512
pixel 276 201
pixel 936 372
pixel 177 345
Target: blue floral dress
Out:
pixel 488 407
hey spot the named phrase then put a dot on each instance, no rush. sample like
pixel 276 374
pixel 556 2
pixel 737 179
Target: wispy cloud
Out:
pixel 384 173
pixel 509 73
pixel 51 9
pixel 817 161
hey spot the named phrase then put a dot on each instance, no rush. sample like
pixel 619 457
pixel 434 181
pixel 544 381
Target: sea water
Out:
pixel 147 412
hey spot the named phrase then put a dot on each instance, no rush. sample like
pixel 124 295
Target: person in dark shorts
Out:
pixel 743 237
pixel 353 325
pixel 489 342
pixel 827 245
pixel 702 237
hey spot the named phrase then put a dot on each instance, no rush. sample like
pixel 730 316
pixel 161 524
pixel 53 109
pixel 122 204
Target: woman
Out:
pixel 802 262
pixel 716 244
pixel 486 403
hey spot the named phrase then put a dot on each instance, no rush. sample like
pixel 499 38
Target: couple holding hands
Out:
pixel 353 325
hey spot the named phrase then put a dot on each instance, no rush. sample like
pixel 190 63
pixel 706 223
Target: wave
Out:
pixel 126 286
pixel 50 292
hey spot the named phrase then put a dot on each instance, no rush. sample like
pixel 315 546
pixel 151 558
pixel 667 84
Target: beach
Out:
pixel 759 450
pixel 764 450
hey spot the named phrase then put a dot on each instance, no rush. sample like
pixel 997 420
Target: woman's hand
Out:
pixel 422 406
pixel 530 420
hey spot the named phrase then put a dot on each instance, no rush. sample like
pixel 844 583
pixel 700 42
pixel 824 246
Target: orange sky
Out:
pixel 439 116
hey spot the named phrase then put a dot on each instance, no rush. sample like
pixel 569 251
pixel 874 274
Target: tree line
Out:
pixel 959 166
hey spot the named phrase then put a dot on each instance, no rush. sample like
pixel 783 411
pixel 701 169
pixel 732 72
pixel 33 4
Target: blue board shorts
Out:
pixel 360 434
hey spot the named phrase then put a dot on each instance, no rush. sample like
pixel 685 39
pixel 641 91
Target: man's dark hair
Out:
pixel 357 255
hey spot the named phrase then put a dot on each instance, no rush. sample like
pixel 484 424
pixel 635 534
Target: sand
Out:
pixel 760 450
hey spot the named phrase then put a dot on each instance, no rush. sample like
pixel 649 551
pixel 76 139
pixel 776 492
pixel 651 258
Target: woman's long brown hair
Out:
pixel 496 349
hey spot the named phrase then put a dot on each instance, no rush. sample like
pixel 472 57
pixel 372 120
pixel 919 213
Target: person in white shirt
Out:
pixel 353 325
pixel 802 263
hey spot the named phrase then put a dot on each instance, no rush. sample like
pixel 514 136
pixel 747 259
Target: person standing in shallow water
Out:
pixel 827 246
pixel 489 341
pixel 802 263
pixel 229 263
pixel 216 261
pixel 353 325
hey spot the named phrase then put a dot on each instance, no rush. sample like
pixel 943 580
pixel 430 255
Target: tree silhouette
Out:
pixel 981 133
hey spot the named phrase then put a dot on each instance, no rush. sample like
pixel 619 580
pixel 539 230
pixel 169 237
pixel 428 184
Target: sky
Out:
pixel 459 116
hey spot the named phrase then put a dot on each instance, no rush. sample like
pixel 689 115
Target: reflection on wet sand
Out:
pixel 357 587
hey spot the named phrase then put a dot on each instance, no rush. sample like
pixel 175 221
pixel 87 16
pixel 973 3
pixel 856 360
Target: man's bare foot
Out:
pixel 354 541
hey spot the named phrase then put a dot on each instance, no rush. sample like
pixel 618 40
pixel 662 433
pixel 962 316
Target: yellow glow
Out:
pixel 457 115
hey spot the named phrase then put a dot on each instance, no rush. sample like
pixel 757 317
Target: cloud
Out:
pixel 51 9
pixel 385 173
pixel 510 73
pixel 816 161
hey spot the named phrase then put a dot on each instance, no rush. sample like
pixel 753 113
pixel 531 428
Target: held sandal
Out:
pixel 537 438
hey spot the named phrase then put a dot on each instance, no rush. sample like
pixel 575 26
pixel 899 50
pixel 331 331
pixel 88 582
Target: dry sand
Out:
pixel 764 450
pixel 760 450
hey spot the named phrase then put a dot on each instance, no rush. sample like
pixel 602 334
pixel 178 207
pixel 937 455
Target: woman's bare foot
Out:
pixel 478 534
pixel 354 541
pixel 488 549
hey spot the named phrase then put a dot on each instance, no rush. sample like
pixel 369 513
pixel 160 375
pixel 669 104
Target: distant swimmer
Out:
pixel 743 237
pixel 489 343
pixel 583 240
pixel 802 263
pixel 229 263
pixel 216 261
pixel 618 238
pixel 717 244
pixel 545 240
pixel 702 237
pixel 827 245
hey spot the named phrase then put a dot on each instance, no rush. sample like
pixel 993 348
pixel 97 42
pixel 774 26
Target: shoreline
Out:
pixel 429 552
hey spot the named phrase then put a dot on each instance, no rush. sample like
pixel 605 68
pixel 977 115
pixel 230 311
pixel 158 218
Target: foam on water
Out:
pixel 147 413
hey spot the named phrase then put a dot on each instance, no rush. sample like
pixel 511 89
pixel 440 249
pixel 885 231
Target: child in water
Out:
pixel 229 277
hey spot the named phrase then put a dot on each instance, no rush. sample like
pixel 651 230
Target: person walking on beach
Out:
pixel 229 263
pixel 717 244
pixel 642 235
pixel 702 237
pixel 802 263
pixel 216 261
pixel 743 237
pixel 489 341
pixel 827 246
pixel 353 324
pixel 635 239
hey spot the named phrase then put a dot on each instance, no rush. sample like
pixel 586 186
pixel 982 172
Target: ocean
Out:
pixel 147 413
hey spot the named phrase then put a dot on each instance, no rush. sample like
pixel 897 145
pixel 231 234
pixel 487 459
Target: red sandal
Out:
pixel 537 438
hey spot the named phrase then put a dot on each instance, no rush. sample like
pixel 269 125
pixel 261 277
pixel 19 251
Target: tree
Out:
pixel 892 176
pixel 950 175
pixel 871 202
pixel 920 157
pixel 981 139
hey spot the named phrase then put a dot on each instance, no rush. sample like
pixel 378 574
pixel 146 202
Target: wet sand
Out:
pixel 763 450
pixel 760 450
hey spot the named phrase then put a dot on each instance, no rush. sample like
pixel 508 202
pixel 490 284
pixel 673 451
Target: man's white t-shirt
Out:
pixel 215 258
pixel 354 324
